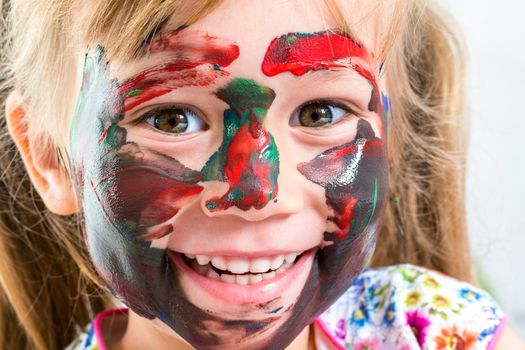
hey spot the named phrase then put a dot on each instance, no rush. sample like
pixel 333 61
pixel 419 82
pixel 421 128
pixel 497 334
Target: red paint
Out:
pixel 300 53
pixel 242 172
pixel 191 51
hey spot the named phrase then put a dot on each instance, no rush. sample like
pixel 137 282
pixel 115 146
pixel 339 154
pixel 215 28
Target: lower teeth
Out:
pixel 242 279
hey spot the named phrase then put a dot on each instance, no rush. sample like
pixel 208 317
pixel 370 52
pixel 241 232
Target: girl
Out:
pixel 235 167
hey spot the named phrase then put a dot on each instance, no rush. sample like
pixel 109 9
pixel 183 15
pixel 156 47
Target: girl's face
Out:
pixel 233 179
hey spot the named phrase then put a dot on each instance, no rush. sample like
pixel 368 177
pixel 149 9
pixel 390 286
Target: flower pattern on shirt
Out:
pixel 408 307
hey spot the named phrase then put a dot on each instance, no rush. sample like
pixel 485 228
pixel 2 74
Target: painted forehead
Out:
pixel 194 51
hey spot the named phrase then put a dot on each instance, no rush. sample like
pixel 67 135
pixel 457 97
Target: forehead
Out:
pixel 252 25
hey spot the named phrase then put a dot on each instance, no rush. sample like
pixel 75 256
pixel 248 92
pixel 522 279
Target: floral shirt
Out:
pixel 397 307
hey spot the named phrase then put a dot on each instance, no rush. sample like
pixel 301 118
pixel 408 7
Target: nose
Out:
pixel 219 200
pixel 248 159
pixel 251 168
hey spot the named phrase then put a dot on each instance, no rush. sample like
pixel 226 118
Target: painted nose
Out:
pixel 250 166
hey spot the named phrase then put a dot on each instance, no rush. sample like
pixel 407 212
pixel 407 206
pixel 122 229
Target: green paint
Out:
pixel 245 138
pixel 213 170
pixel 376 191
pixel 216 66
pixel 134 92
pixel 111 138
pixel 242 94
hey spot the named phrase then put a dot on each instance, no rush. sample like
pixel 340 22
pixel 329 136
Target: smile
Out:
pixel 240 270
pixel 240 280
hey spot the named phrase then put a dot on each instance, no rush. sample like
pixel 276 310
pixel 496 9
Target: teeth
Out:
pixel 203 259
pixel 255 278
pixel 219 262
pixel 237 265
pixel 212 274
pixel 277 262
pixel 290 257
pixel 243 271
pixel 268 275
pixel 283 268
pixel 226 277
pixel 242 279
pixel 260 265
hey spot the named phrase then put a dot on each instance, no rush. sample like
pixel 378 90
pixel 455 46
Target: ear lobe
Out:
pixel 51 181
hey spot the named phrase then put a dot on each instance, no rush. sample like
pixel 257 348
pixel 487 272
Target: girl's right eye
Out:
pixel 174 120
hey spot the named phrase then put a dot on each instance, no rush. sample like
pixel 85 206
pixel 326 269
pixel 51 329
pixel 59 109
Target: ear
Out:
pixel 51 181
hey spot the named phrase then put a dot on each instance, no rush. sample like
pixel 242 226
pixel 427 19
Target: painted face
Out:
pixel 232 188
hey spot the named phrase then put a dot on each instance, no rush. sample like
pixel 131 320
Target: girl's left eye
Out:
pixel 174 120
pixel 318 114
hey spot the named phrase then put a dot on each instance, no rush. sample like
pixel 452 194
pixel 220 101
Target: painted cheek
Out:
pixel 353 176
pixel 248 158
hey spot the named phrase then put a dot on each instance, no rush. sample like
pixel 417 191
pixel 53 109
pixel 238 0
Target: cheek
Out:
pixel 354 177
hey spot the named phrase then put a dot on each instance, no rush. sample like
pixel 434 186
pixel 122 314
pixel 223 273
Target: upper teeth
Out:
pixel 242 265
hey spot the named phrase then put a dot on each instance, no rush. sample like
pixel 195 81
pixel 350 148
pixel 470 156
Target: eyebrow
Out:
pixel 300 53
pixel 192 49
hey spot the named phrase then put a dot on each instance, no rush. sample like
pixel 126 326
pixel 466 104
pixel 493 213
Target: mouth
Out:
pixel 239 270
pixel 239 280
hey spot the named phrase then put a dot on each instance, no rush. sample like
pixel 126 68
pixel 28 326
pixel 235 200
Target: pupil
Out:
pixel 172 121
pixel 315 115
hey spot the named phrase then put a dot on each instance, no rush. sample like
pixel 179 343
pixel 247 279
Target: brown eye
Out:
pixel 175 120
pixel 318 114
pixel 315 115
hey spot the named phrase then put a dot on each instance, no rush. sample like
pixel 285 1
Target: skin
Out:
pixel 132 233
pixel 141 191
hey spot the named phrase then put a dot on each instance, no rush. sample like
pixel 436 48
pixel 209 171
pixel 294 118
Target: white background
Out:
pixel 495 34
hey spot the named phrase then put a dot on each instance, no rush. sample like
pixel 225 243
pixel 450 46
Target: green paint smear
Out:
pixel 376 191
pixel 213 169
pixel 134 92
pixel 242 94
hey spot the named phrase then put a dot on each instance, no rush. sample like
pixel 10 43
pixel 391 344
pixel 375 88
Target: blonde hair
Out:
pixel 48 287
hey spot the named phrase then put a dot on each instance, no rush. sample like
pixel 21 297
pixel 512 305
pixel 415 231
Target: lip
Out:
pixel 256 293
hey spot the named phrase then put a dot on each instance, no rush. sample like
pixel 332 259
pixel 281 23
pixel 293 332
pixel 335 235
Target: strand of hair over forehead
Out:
pixel 140 19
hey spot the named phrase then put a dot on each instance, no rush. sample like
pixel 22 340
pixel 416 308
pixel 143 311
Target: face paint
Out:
pixel 353 175
pixel 247 159
pixel 130 195
pixel 199 62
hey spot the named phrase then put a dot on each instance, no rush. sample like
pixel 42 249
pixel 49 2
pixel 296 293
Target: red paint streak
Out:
pixel 158 82
pixel 245 171
pixel 191 50
pixel 103 135
pixel 300 53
